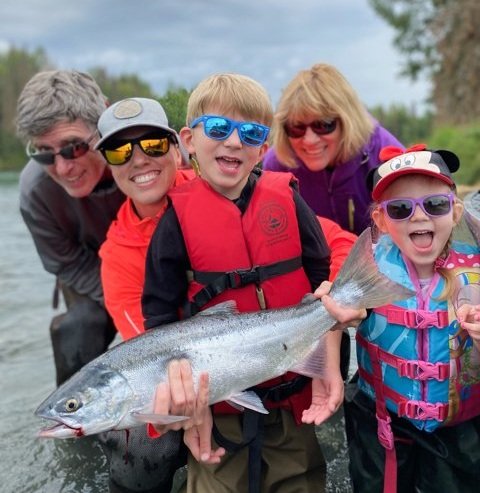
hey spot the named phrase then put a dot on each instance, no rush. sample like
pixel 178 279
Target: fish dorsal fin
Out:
pixel 226 308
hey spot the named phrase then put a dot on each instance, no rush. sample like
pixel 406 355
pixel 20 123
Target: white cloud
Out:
pixel 182 41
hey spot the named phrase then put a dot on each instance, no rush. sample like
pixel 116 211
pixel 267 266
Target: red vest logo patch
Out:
pixel 273 219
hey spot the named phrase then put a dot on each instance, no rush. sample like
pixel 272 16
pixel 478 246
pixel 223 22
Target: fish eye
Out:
pixel 71 405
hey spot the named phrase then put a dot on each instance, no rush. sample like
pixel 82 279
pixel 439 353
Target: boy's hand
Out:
pixel 346 317
pixel 199 441
pixel 178 397
pixel 327 396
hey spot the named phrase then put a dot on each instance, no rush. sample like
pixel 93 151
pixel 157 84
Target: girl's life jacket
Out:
pixel 413 357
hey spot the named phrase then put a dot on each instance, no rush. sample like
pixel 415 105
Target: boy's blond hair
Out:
pixel 322 92
pixel 231 93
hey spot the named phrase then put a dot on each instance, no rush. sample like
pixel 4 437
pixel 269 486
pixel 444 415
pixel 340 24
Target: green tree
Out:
pixel 464 140
pixel 16 68
pixel 404 123
pixel 440 39
pixel 121 87
pixel 174 102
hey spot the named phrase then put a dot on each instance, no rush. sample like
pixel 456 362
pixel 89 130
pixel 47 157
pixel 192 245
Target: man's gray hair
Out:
pixel 55 96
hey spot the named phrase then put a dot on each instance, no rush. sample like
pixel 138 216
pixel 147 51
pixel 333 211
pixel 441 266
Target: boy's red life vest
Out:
pixel 252 258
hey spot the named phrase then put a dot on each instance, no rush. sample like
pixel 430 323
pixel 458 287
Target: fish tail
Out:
pixel 361 283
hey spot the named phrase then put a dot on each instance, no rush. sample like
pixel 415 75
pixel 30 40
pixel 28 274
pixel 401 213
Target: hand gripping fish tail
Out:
pixel 238 350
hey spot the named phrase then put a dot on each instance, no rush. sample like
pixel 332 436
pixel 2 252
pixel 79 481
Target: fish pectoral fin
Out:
pixel 247 399
pixel 157 419
pixel 314 364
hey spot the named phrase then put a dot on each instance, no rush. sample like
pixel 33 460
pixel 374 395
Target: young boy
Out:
pixel 236 233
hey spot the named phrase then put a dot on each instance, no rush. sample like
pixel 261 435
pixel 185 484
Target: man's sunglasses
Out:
pixel 319 127
pixel 433 205
pixel 74 150
pixel 117 152
pixel 220 128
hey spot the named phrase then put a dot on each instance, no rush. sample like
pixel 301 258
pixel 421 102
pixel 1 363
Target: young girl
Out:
pixel 418 388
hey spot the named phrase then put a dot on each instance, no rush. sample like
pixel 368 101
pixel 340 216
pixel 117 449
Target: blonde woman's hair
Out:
pixel 322 92
pixel 231 93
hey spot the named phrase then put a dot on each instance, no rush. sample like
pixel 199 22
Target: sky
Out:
pixel 179 42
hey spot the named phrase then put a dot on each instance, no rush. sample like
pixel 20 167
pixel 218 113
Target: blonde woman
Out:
pixel 324 135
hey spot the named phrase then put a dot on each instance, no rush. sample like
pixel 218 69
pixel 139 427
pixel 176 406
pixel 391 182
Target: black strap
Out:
pixel 283 390
pixel 252 436
pixel 253 428
pixel 216 283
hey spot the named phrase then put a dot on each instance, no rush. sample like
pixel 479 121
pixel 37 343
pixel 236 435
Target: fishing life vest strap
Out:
pixel 409 408
pixel 253 426
pixel 414 369
pixel 216 283
pixel 413 319
pixel 282 391
pixel 384 429
pixel 252 437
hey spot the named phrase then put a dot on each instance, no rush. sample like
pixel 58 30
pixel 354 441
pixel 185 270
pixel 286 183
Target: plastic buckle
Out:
pixel 407 369
pixel 411 319
pixel 419 370
pixel 420 319
pixel 422 410
pixel 243 277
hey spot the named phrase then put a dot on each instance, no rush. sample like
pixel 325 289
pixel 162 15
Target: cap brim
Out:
pixel 385 182
pixel 132 125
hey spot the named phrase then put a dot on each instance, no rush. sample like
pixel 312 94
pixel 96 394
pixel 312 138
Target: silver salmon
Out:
pixel 239 350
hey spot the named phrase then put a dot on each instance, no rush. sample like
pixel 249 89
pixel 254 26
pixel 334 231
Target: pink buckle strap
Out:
pixel 413 319
pixel 423 410
pixel 414 369
pixel 384 431
pixel 423 370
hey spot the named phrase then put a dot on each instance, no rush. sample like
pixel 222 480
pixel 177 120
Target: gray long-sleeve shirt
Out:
pixel 68 231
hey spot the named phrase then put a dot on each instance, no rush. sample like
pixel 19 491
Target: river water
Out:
pixel 32 465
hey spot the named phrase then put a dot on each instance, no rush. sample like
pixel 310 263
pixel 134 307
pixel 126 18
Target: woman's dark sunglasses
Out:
pixel 117 152
pixel 221 127
pixel 319 127
pixel 435 205
pixel 74 150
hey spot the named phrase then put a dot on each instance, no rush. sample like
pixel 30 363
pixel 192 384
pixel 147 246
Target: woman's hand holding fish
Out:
pixel 346 317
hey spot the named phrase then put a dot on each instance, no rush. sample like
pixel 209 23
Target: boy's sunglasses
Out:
pixel 117 152
pixel 220 128
pixel 73 150
pixel 433 205
pixel 319 127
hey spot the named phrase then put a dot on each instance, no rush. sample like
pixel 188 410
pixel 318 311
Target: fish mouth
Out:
pixel 61 430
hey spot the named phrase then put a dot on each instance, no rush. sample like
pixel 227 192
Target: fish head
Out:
pixel 93 400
